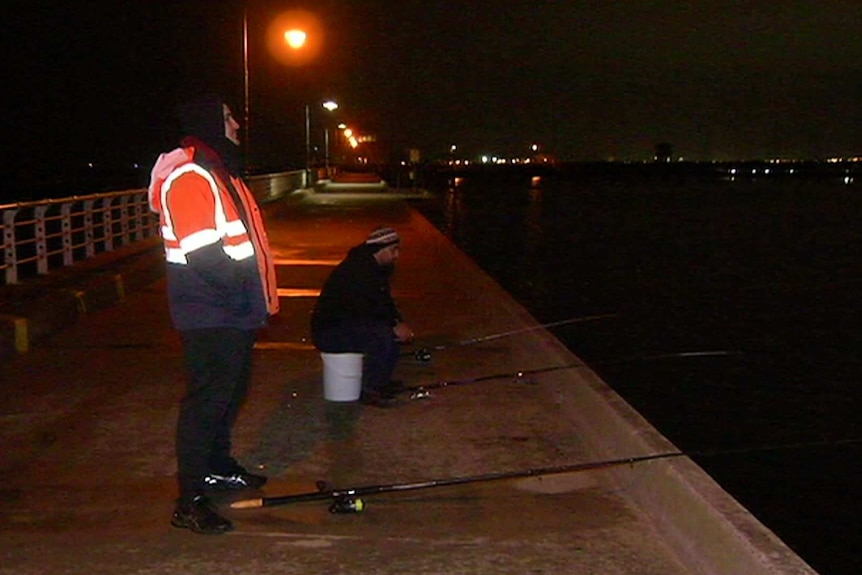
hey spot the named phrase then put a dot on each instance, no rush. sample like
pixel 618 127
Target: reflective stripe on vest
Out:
pixel 233 233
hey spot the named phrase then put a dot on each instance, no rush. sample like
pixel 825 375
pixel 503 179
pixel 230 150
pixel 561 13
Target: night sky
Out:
pixel 98 81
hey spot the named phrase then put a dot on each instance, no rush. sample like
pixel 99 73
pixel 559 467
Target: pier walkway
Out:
pixel 87 419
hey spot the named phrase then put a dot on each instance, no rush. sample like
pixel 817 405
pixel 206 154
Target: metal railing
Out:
pixel 43 235
pixel 39 236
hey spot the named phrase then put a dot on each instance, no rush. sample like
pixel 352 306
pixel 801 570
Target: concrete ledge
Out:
pixel 711 533
pixel 39 307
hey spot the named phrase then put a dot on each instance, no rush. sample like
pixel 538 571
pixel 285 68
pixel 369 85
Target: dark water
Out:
pixel 771 269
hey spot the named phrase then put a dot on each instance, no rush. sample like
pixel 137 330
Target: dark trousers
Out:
pixel 375 340
pixel 218 361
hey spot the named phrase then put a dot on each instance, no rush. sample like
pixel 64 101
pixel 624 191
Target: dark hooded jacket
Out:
pixel 357 289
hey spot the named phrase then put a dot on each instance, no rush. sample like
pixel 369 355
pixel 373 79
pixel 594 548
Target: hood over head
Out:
pixel 202 119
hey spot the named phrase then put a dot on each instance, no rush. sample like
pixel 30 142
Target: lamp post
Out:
pixel 326 149
pixel 307 145
pixel 330 106
pixel 300 32
pixel 247 138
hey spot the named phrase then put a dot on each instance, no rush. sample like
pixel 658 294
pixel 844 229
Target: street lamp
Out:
pixel 307 145
pixel 350 136
pixel 294 38
pixel 330 106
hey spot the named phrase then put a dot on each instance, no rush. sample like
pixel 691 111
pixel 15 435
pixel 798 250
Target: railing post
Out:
pixel 107 224
pixel 10 251
pixel 41 241
pixel 66 230
pixel 124 219
pixel 89 231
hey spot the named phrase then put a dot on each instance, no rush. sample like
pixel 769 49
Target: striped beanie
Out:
pixel 382 238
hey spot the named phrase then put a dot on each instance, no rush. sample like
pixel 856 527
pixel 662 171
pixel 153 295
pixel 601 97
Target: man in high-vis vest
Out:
pixel 221 289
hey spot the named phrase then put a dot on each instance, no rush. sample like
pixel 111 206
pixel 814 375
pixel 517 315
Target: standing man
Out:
pixel 221 289
pixel 355 313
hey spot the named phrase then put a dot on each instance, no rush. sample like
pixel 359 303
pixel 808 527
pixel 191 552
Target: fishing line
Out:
pixel 767 447
pixel 424 353
pixel 747 450
pixel 422 391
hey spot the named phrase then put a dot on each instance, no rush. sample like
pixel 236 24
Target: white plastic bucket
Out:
pixel 342 376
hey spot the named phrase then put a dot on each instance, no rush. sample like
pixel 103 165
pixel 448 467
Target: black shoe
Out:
pixel 199 517
pixel 234 481
pixel 376 398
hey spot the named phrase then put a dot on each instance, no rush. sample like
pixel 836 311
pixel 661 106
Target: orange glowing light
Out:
pixel 294 38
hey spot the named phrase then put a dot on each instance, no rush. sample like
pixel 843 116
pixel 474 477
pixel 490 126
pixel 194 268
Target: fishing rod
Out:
pixel 348 500
pixel 424 353
pixel 423 390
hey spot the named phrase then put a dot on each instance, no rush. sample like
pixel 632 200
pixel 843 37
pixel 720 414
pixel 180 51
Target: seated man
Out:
pixel 355 313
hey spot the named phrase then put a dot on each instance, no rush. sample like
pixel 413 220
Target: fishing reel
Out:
pixel 422 354
pixel 344 505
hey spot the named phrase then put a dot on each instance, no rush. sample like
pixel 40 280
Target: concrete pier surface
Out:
pixel 87 419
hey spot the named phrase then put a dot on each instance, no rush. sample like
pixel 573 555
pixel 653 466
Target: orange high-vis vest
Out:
pixel 196 209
